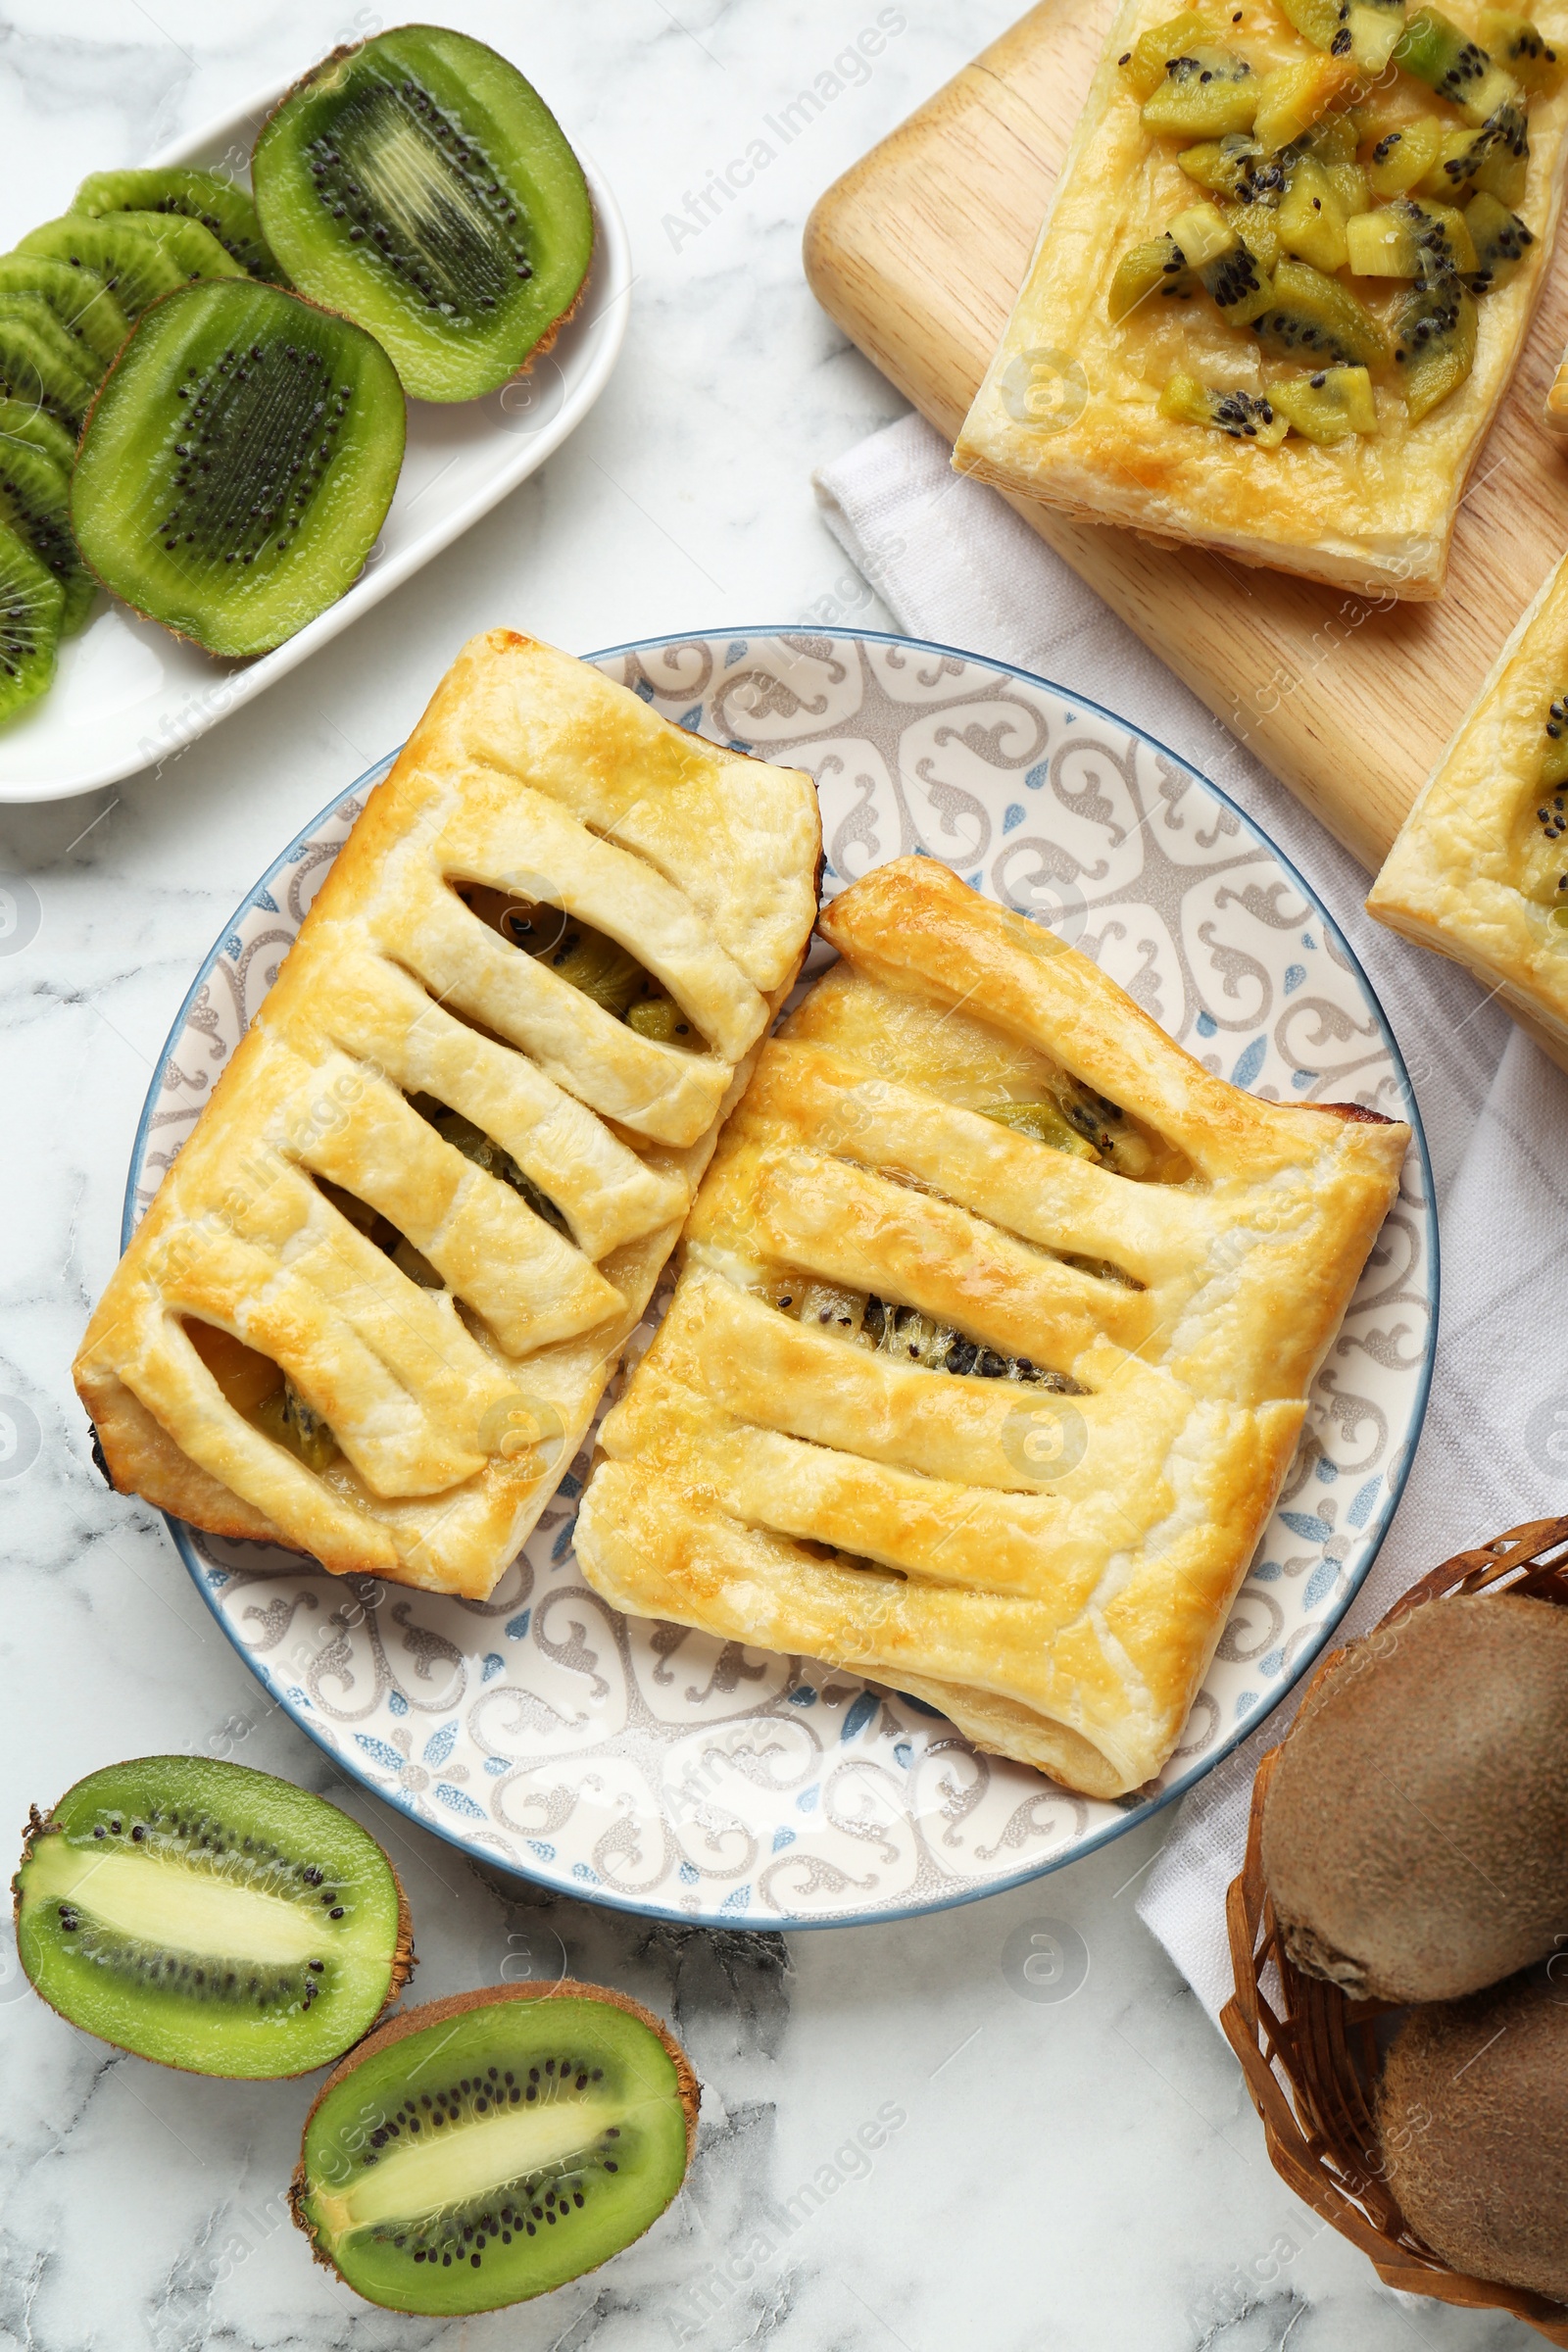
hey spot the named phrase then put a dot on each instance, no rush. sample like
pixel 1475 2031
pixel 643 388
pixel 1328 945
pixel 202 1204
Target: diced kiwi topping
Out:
pixel 1395 148
pixel 1542 829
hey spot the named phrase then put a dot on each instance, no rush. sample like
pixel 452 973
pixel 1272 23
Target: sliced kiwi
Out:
pixel 419 185
pixel 1363 29
pixel 1417 1819
pixel 1310 218
pixel 485 2149
pixel 1472 2118
pixel 35 502
pixel 1227 167
pixel 1435 330
pixel 31 602
pixel 1433 48
pixel 1204 93
pixel 1293 99
pixel 1314 316
pixel 1144 64
pixel 210 1917
pixel 19 420
pixel 1208 242
pixel 239 461
pixel 225 211
pixel 1328 406
pixel 79 298
pixel 1500 240
pixel 133 264
pixel 1155 269
pixel 1244 415
pixel 1403 157
pixel 1410 239
pixel 34 370
pixel 1515 44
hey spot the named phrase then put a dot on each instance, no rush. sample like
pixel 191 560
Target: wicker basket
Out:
pixel 1309 2054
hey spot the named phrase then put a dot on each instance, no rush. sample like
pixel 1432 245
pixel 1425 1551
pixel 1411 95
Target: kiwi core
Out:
pixel 162 1902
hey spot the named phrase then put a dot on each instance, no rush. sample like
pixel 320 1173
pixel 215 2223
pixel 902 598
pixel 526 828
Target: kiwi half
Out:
pixel 32 600
pixel 238 463
pixel 210 1917
pixel 419 185
pixel 488 2149
pixel 225 211
pixel 1417 1819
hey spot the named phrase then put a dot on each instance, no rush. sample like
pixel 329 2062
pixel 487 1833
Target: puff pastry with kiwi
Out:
pixel 991 1340
pixel 1479 869
pixel 1288 270
pixel 376 1298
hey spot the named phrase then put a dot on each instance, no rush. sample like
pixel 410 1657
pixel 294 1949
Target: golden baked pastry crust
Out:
pixel 457 1410
pixel 776 1483
pixel 1370 514
pixel 1469 872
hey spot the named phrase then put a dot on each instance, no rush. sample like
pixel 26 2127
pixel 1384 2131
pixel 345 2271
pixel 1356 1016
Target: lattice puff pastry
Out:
pixel 1043 1533
pixel 456 1399
pixel 1479 869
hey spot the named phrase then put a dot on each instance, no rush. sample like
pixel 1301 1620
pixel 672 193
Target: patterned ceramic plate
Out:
pixel 663 1771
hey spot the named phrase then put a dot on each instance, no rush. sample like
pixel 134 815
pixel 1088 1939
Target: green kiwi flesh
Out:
pixel 487 2148
pixel 210 1917
pixel 20 420
pixel 32 600
pixel 1472 2114
pixel 225 211
pixel 134 265
pixel 238 463
pixel 421 187
pixel 78 296
pixel 34 370
pixel 1417 1819
pixel 35 502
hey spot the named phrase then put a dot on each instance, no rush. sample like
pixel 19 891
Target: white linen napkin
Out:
pixel 951 561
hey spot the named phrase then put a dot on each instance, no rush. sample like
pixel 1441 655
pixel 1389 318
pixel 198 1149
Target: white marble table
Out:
pixel 1055 2176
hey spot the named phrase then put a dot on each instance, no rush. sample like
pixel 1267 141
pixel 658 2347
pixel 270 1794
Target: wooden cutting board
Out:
pixel 918 253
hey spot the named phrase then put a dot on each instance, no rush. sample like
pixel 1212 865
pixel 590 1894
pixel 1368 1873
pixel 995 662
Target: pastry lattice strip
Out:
pixel 457 1381
pixel 1050 1554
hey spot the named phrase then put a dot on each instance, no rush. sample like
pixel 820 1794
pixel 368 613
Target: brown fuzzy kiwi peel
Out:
pixel 405 1959
pixel 1416 1822
pixel 1472 2117
pixel 432 2013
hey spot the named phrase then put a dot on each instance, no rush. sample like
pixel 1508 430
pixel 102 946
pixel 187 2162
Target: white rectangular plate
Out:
pixel 129 693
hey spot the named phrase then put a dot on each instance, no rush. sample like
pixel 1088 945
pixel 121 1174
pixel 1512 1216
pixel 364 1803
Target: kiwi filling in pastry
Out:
pixel 1356 204
pixel 260 1388
pixel 600 967
pixel 907 1336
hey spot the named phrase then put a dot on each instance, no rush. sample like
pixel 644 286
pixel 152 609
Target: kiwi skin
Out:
pixel 1472 2116
pixel 1416 1824
pixel 431 2013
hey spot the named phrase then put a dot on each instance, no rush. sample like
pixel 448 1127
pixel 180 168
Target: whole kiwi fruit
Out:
pixel 1472 2114
pixel 1415 1833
